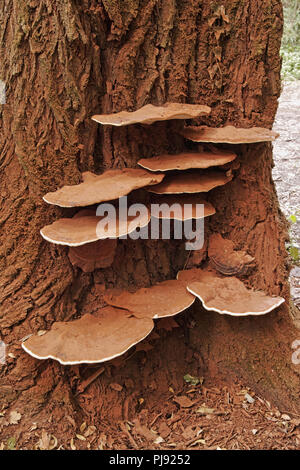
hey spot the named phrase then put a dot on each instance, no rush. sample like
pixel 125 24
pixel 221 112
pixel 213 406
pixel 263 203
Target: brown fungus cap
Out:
pixel 96 255
pixel 91 256
pixel 190 183
pixel 225 259
pixel 69 232
pixel 229 134
pixel 162 300
pixel 90 339
pixel 182 207
pixel 150 113
pixel 187 160
pixel 228 295
pixel 111 185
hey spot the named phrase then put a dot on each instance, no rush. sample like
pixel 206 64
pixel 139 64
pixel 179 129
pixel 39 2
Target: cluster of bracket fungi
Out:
pixel 128 317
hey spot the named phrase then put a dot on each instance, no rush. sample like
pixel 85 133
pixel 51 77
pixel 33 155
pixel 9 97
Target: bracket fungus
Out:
pixel 228 295
pixel 150 113
pixel 180 207
pixel 190 183
pixel 92 228
pixel 91 256
pixel 95 255
pixel 91 339
pixel 187 160
pixel 108 186
pixel 165 299
pixel 228 134
pixel 225 259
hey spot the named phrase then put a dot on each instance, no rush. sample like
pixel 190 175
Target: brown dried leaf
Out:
pixel 14 417
pixel 183 401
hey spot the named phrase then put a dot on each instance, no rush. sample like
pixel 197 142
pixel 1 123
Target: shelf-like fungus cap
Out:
pixel 90 339
pixel 225 259
pixel 95 255
pixel 150 113
pixel 180 207
pixel 111 185
pixel 90 229
pixel 229 134
pixel 162 300
pixel 187 160
pixel 190 182
pixel 230 296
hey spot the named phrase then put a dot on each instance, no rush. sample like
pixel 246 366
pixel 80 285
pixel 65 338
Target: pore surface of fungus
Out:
pixel 95 255
pixel 91 339
pixel 187 160
pixel 228 295
pixel 225 259
pixel 162 300
pixel 150 113
pixel 92 228
pixel 111 185
pixel 190 183
pixel 181 207
pixel 229 134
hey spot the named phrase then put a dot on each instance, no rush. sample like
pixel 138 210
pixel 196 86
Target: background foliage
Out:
pixel 290 48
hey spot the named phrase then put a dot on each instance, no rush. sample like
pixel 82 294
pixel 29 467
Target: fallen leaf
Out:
pixel 205 411
pixel 193 380
pixel 80 437
pixel 82 427
pixel 90 430
pixel 72 445
pixel 159 440
pixel 14 417
pixel 183 402
pixel 11 443
pixel 198 441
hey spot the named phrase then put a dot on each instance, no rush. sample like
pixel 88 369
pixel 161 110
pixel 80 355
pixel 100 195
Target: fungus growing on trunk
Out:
pixel 150 113
pixel 95 255
pixel 161 300
pixel 228 295
pixel 92 228
pixel 196 182
pixel 108 186
pixel 228 134
pixel 181 207
pixel 187 160
pixel 91 256
pixel 91 339
pixel 225 259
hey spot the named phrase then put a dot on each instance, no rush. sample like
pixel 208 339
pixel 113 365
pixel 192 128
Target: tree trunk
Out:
pixel 62 62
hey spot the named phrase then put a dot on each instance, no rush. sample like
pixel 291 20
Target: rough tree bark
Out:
pixel 63 61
